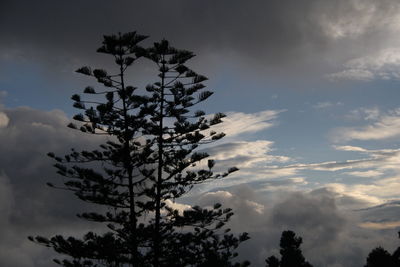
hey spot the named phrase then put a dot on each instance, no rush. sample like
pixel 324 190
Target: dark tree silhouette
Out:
pixel 273 261
pixel 107 176
pixel 291 254
pixel 176 134
pixel 148 160
pixel 381 257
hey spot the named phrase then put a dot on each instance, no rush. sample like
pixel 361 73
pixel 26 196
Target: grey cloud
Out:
pixel 317 213
pixel 268 33
pixel 27 206
pixel 387 212
pixel 331 235
pixel 220 24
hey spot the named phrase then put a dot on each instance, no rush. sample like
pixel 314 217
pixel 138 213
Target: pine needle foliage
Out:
pixel 291 254
pixel 108 176
pixel 149 159
pixel 177 132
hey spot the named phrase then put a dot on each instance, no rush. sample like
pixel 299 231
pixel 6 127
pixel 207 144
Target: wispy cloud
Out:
pixel 380 225
pixel 382 126
pixel 327 104
pixel 237 123
pixel 364 113
pixel 381 167
pixel 381 65
pixel 352 74
pixel 383 159
pixel 375 192
pixel 366 174
pixel 251 157
pixel 245 153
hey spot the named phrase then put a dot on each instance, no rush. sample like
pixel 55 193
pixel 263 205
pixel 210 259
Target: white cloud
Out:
pixel 177 206
pixel 379 160
pixel 251 157
pixel 372 113
pixel 381 167
pixel 245 154
pixel 237 123
pixel 350 148
pixel 330 165
pixel 3 120
pixel 383 64
pixel 383 126
pixel 357 193
pixel 352 74
pixel 374 193
pixel 366 174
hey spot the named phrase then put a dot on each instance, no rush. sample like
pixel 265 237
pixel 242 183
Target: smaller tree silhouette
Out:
pixel 379 257
pixel 291 254
pixel 272 262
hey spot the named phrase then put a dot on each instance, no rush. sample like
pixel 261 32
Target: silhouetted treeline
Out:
pixel 291 254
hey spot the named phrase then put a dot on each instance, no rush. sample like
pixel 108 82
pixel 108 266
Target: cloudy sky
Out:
pixel 310 87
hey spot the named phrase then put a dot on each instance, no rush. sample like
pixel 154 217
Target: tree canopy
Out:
pixel 381 257
pixel 291 254
pixel 149 157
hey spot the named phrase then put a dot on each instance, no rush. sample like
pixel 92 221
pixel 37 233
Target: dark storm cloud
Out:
pixel 269 33
pixel 260 27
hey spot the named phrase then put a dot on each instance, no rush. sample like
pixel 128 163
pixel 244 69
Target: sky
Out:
pixel 310 87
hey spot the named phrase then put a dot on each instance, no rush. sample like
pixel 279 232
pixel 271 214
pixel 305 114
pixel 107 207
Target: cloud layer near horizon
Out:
pixel 264 208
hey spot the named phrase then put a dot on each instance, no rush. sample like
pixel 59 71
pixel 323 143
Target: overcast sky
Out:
pixel 311 89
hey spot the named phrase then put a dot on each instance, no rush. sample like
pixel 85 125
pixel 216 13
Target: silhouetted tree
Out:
pixel 149 158
pixel 381 257
pixel 396 253
pixel 177 133
pixel 273 261
pixel 291 254
pixel 110 178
